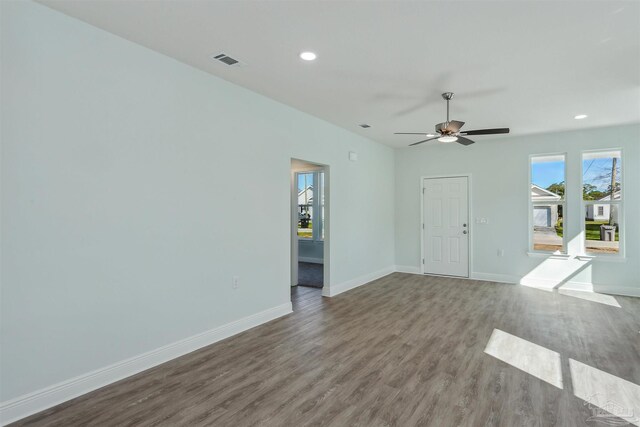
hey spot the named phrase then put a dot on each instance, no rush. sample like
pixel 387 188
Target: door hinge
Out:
pixel 423 226
pixel 423 260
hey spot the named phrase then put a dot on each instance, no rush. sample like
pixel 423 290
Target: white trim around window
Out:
pixel 547 203
pixel 317 205
pixel 619 204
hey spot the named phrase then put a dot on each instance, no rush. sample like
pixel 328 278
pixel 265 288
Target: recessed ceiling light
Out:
pixel 448 139
pixel 430 135
pixel 580 116
pixel 308 56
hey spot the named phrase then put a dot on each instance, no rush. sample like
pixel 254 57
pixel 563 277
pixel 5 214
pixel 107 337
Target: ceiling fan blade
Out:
pixel 425 140
pixel 410 133
pixel 454 126
pixel 485 131
pixel 464 141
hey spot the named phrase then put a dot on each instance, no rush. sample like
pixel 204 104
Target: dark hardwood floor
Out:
pixel 305 297
pixel 404 350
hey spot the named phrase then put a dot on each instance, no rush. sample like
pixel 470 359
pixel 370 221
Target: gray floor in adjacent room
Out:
pixel 404 350
pixel 310 274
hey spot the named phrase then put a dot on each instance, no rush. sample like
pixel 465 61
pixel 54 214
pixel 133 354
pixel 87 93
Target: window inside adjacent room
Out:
pixel 310 205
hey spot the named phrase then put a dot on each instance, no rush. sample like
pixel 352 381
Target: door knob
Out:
pixel 464 225
pixel 464 232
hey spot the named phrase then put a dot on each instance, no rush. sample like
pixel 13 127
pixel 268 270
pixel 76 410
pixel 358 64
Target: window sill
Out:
pixel 548 255
pixel 603 258
pixel 598 258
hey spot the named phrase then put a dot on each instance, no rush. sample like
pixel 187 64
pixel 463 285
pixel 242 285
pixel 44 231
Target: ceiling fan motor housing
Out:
pixel 441 128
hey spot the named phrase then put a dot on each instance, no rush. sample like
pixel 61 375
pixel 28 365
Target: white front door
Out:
pixel 446 226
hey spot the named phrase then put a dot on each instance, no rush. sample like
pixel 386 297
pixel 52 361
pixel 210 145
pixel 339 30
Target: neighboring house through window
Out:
pixel 602 202
pixel 547 203
pixel 310 207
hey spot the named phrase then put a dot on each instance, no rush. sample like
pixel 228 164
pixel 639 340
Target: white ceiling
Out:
pixel 528 65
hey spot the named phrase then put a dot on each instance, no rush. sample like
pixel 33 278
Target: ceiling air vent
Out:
pixel 226 59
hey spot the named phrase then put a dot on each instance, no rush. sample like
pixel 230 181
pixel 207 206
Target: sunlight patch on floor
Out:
pixel 558 269
pixel 591 296
pixel 531 358
pixel 548 287
pixel 617 396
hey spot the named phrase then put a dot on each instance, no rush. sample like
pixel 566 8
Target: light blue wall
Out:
pixel 500 191
pixel 128 181
pixel 311 249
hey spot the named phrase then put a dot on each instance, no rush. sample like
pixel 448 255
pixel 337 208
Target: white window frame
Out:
pixel 316 206
pixel 321 184
pixel 620 203
pixel 562 202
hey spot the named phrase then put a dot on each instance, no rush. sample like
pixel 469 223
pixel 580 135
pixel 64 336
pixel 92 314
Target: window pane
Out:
pixel 547 227
pixel 602 232
pixel 547 178
pixel 601 173
pixel 305 205
pixel 547 194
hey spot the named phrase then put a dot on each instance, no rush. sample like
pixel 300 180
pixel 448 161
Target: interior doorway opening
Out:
pixel 309 229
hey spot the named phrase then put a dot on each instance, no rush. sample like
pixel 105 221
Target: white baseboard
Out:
pixel 40 400
pixel 410 269
pixel 577 286
pixel 311 260
pixel 354 283
pixel 624 291
pixel 492 277
pixel 550 284
pixel 539 282
pixel 487 277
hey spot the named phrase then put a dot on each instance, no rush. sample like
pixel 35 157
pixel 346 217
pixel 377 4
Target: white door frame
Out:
pixel 469 210
pixel 293 242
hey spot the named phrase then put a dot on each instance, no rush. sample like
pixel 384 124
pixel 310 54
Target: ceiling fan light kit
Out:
pixel 449 131
pixel 448 139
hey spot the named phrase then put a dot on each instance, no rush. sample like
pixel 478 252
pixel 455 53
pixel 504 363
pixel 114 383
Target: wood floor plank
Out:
pixel 404 350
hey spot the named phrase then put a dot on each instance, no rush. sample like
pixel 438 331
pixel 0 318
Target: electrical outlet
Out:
pixel 234 282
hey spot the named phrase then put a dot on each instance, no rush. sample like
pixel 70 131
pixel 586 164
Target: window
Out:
pixel 602 201
pixel 310 205
pixel 547 203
